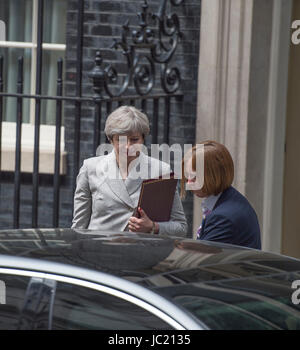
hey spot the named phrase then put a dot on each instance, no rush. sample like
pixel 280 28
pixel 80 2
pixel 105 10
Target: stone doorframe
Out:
pixel 242 91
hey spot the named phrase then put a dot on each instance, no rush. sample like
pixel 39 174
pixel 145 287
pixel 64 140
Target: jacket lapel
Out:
pixel 202 226
pixel 115 182
pixel 221 199
pixel 138 172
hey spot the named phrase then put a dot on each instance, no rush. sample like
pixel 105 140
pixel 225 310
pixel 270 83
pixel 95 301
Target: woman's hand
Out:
pixel 142 224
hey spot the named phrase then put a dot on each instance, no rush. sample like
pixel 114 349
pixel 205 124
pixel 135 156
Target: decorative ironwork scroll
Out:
pixel 143 49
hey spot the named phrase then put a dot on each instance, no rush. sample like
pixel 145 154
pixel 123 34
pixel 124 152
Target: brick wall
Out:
pixel 103 21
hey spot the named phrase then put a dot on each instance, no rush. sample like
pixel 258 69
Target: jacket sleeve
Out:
pixel 177 226
pixel 82 200
pixel 219 228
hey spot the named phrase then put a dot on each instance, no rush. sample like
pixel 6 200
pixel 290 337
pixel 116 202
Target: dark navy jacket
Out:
pixel 233 220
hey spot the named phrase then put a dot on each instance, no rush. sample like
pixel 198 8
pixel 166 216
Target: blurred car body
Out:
pixel 83 279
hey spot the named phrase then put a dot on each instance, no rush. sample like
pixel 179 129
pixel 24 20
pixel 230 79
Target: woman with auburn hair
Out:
pixel 227 215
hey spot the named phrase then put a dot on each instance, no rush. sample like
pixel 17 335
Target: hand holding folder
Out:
pixel 156 198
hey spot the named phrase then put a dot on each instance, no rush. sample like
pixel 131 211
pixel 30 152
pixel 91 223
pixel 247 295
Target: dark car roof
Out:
pixel 141 257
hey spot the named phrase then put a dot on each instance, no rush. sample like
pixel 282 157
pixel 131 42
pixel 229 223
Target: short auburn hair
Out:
pixel 218 168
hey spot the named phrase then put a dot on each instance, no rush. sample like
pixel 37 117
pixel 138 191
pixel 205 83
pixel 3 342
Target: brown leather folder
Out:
pixel 157 196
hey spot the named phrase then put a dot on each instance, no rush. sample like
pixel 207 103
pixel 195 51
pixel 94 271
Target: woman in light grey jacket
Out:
pixel 108 186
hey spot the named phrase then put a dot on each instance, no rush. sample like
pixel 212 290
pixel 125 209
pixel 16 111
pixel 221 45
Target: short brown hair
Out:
pixel 218 168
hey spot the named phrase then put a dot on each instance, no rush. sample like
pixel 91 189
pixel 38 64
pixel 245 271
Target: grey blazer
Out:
pixel 104 201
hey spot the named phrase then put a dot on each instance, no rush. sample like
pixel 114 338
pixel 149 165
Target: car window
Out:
pixel 222 316
pixel 13 290
pixel 37 304
pixel 255 303
pixel 78 307
pixel 271 299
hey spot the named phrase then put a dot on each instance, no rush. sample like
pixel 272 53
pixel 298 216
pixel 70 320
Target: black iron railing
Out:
pixel 144 50
pixel 37 122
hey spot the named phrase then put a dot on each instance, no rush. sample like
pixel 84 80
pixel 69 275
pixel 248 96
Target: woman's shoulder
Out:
pixel 232 203
pixel 93 161
pixel 95 164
